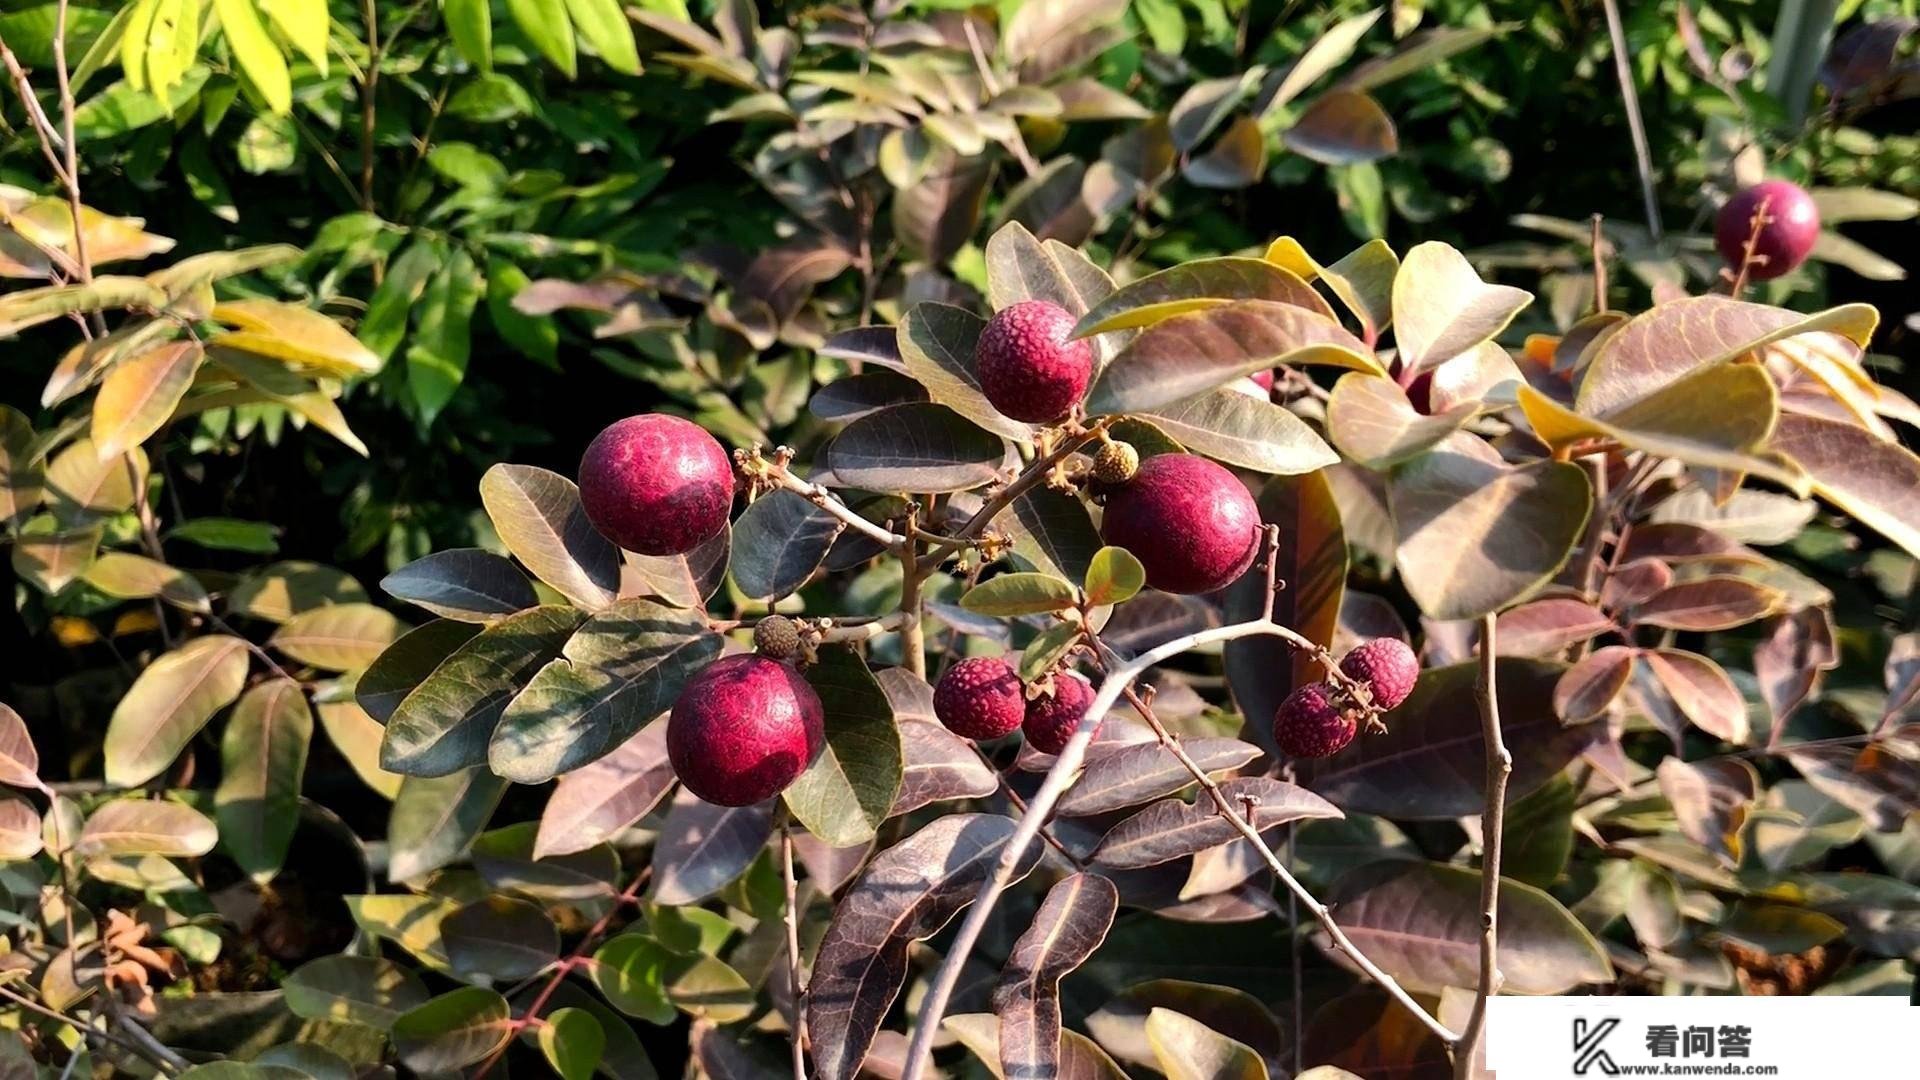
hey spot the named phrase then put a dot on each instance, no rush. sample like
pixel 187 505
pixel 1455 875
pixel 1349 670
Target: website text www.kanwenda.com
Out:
pixel 1698 1070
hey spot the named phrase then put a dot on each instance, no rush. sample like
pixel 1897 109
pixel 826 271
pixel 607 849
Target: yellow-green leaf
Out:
pixel 604 27
pixel 139 394
pixel 304 24
pixel 299 336
pixel 126 576
pixel 258 56
pixel 169 703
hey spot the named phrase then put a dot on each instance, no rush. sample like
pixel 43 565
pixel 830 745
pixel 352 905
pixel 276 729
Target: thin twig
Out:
pixel 826 500
pixel 1598 242
pixel 561 968
pixel 367 87
pixel 796 989
pixel 1492 826
pixel 1066 767
pixel 90 1031
pixel 1643 157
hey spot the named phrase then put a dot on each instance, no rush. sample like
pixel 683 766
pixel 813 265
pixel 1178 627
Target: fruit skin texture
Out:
pixel 1189 522
pixel 1786 238
pixel 656 484
pixel 1052 717
pixel 1386 666
pixel 744 729
pixel 1027 367
pixel 1115 463
pixel 980 698
pixel 1309 724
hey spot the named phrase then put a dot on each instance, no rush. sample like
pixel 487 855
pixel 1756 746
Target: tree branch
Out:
pixel 1066 768
pixel 1492 826
pixel 796 989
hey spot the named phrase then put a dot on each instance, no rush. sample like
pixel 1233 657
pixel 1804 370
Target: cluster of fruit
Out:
pixel 982 698
pixel 1319 719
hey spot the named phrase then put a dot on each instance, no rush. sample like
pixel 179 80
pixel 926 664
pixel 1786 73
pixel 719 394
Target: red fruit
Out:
pixel 1189 522
pixel 1308 724
pixel 1786 236
pixel 656 484
pixel 1386 666
pixel 1051 717
pixel 744 729
pixel 980 698
pixel 1027 367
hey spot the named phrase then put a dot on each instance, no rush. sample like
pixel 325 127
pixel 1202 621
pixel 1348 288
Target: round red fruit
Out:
pixel 744 729
pixel 1189 522
pixel 656 484
pixel 1386 667
pixel 1790 226
pixel 980 698
pixel 1027 367
pixel 1052 717
pixel 1308 724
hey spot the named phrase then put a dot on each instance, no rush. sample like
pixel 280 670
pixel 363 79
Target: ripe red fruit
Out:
pixel 1309 724
pixel 1786 236
pixel 1027 367
pixel 1189 522
pixel 656 484
pixel 980 698
pixel 1051 717
pixel 1386 666
pixel 743 729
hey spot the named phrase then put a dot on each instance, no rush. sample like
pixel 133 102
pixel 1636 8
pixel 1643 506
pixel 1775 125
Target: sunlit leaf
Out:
pixel 138 395
pixel 1441 308
pixel 540 520
pixel 338 637
pixel 456 1029
pixel 169 703
pixel 136 826
pixel 1193 353
pixel 592 803
pixel 850 788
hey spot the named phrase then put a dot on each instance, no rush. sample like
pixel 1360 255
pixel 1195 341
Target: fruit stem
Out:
pixel 826 500
pixel 913 632
pixel 1749 251
pixel 1066 768
pixel 1492 828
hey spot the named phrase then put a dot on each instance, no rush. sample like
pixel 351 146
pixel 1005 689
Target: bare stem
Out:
pixel 828 501
pixel 166 1059
pixel 1643 157
pixel 913 635
pixel 1492 826
pixel 1599 245
pixel 796 989
pixel 1065 768
pixel 367 87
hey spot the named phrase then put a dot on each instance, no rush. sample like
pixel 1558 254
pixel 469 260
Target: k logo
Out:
pixel 1586 1047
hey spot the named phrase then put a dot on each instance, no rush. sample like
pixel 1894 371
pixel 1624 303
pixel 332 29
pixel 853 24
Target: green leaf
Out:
pixel 1375 425
pixel 545 23
pixel 849 789
pixel 435 820
pixel 536 336
pixel 540 520
pixel 918 447
pixel 1539 834
pixel 470 24
pixel 31 307
pixel 1419 52
pixel 499 938
pixel 604 28
pixel 338 637
pixel 623 667
pixel 1186 1049
pixel 369 991
pixel 385 324
pixel 1020 594
pixel 229 534
pixel 1194 353
pixel 1449 501
pixel 445 723
pixel 1114 577
pixel 1441 308
pixel 937 343
pixel 442 342
pixel 465 584
pixel 454 1030
pixel 303 25
pixel 411 921
pixel 258 56
pixel 631 970
pixel 1194 286
pixel 572 1041
pixel 169 703
pixel 136 826
pixel 279 591
pixel 126 576
pixel 263 755
pixel 1246 431
pixel 1046 649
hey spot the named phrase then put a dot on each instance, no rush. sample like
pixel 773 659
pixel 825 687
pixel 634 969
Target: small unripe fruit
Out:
pixel 776 636
pixel 980 698
pixel 1116 463
pixel 1309 724
pixel 744 729
pixel 1051 717
pixel 656 484
pixel 1786 236
pixel 1386 667
pixel 1189 522
pixel 1027 367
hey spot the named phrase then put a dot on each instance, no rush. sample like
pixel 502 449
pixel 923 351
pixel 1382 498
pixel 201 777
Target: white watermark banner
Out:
pixel 1791 1038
